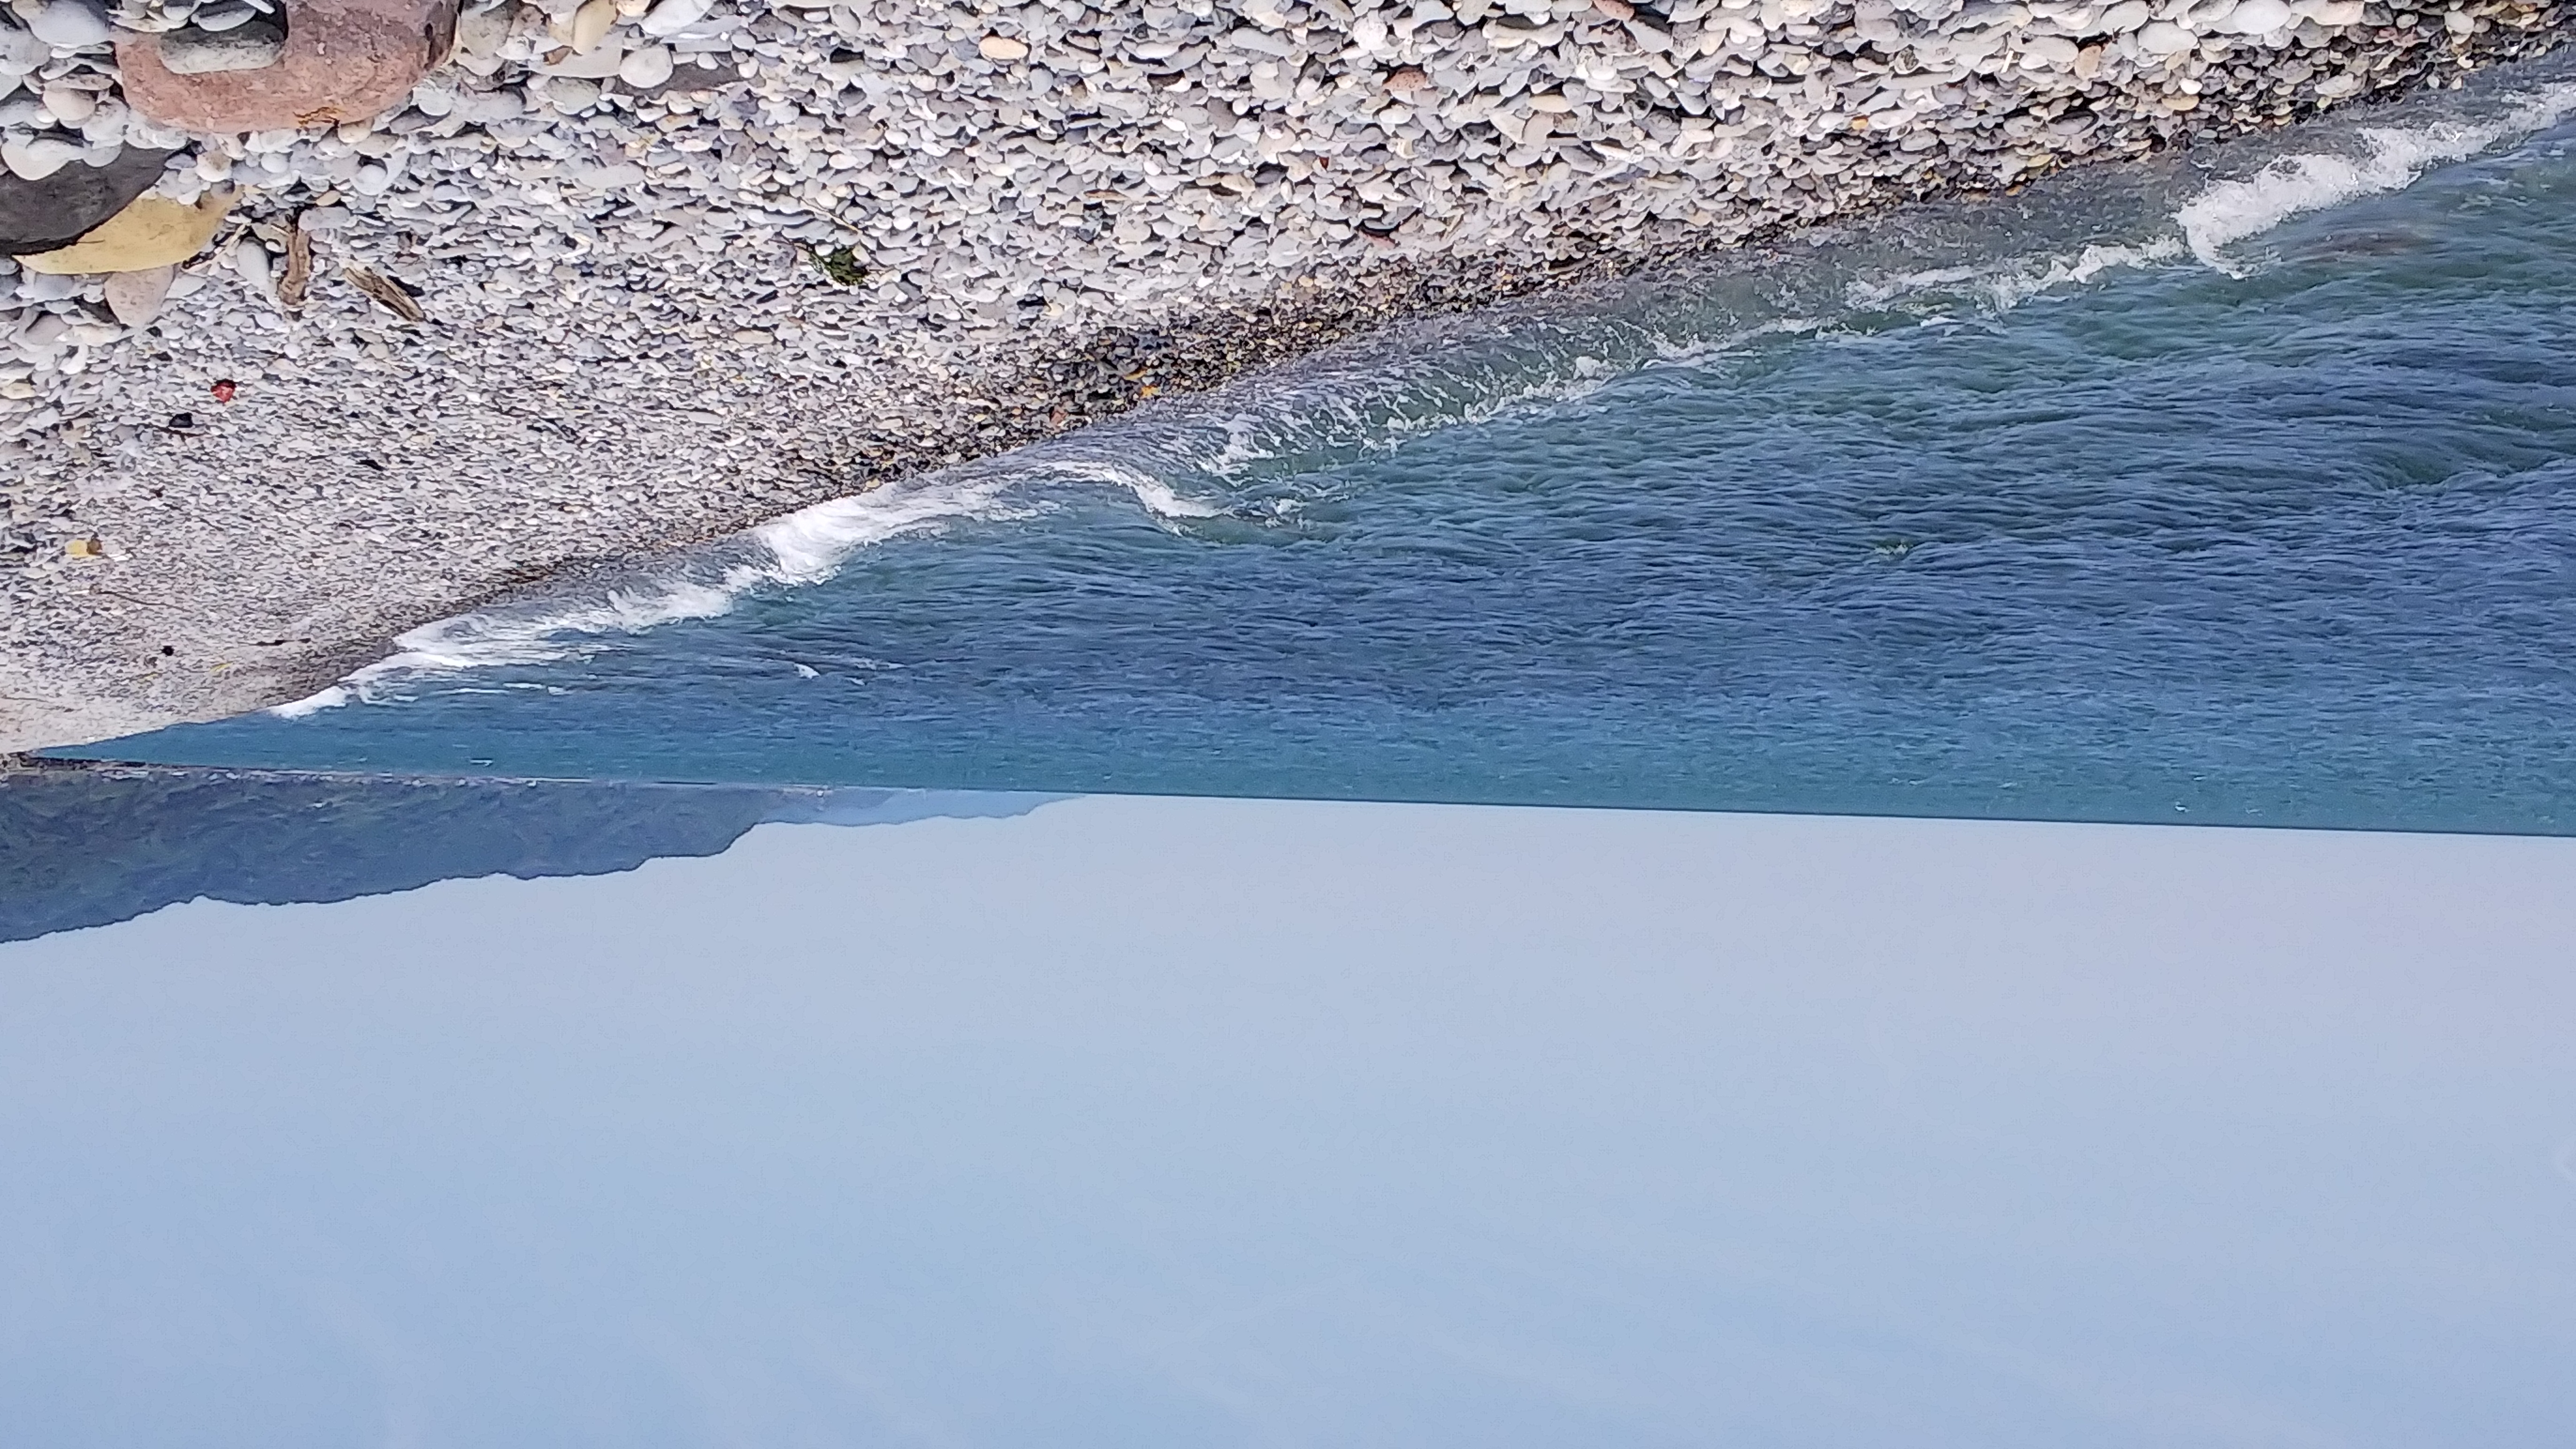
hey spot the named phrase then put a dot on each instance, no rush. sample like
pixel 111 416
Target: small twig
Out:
pixel 299 266
pixel 385 292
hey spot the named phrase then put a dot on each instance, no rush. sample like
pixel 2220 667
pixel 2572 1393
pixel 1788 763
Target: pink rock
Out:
pixel 345 60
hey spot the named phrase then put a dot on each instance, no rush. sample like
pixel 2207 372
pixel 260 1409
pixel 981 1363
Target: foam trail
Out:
pixel 807 545
pixel 803 547
pixel 1162 502
pixel 534 636
pixel 331 698
pixel 1151 493
pixel 2227 212
pixel 2007 285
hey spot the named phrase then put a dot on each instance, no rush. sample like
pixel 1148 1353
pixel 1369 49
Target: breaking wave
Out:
pixel 2391 158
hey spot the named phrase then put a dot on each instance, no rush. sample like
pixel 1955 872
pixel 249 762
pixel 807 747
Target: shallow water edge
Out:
pixel 89 663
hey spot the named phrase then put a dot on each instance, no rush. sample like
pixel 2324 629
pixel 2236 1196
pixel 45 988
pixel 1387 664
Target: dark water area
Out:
pixel 2211 495
pixel 85 848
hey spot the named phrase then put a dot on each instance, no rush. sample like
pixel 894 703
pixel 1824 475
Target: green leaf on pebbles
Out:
pixel 842 265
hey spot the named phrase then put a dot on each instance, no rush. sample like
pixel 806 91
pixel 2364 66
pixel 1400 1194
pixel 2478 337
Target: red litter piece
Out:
pixel 224 390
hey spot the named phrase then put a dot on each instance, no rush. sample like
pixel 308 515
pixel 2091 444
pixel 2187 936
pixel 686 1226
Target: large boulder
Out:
pixel 342 60
pixel 152 231
pixel 38 216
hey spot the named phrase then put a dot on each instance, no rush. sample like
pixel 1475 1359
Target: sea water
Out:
pixel 2235 486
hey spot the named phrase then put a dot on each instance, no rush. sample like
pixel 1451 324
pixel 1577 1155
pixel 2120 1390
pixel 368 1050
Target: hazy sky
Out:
pixel 1205 1122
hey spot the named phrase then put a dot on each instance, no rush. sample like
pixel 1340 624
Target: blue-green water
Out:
pixel 2238 487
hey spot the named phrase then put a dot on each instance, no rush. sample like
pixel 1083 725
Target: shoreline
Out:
pixel 371 476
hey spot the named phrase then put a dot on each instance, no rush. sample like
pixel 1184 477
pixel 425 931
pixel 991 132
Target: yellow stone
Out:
pixel 590 25
pixel 150 232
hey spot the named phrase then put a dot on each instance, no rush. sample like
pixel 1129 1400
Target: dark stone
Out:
pixel 688 77
pixel 39 216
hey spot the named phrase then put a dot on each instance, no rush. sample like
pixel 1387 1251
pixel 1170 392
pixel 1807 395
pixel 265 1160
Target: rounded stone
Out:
pixel 590 24
pixel 41 215
pixel 70 104
pixel 2164 38
pixel 673 16
pixel 70 24
pixel 647 67
pixel 2259 17
pixel 342 61
pixel 220 18
pixel 36 158
pixel 571 95
pixel 134 298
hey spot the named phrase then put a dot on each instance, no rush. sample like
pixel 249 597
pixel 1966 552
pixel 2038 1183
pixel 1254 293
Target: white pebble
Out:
pixel 650 66
pixel 2165 38
pixel 37 158
pixel 590 24
pixel 673 16
pixel 250 259
pixel 135 298
pixel 572 95
pixel 70 104
pixel 2259 17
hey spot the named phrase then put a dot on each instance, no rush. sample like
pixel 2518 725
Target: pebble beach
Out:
pixel 609 277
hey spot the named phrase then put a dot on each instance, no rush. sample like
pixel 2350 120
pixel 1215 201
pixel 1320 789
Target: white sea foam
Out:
pixel 535 634
pixel 2224 213
pixel 803 547
pixel 331 698
pixel 2393 157
pixel 2017 285
pixel 807 545
pixel 1151 493
pixel 1162 502
pixel 1871 292
pixel 2005 285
